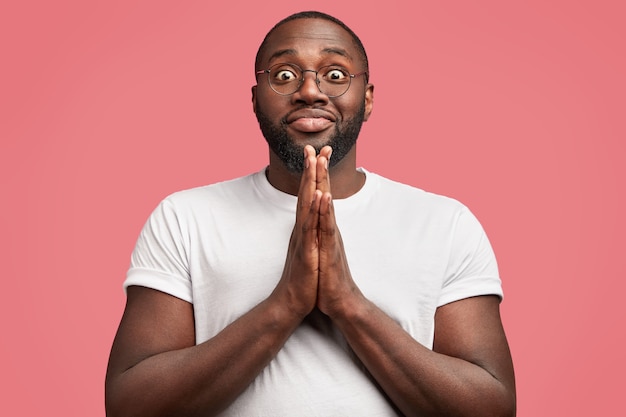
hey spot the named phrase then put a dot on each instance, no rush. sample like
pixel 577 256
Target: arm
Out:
pixel 468 373
pixel 155 368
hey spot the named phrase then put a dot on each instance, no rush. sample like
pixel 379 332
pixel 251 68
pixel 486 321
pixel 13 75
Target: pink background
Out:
pixel 518 110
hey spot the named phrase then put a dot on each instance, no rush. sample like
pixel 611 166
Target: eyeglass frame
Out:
pixel 301 80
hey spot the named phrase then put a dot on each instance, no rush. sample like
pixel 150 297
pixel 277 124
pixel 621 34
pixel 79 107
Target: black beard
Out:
pixel 292 154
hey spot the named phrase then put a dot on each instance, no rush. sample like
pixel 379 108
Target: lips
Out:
pixel 310 120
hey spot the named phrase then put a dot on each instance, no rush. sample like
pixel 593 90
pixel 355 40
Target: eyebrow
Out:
pixel 327 51
pixel 338 51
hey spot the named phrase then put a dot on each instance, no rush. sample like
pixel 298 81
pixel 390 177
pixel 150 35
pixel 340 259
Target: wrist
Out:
pixel 285 308
pixel 349 308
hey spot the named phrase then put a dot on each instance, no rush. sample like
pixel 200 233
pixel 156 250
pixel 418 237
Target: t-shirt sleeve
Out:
pixel 159 260
pixel 472 268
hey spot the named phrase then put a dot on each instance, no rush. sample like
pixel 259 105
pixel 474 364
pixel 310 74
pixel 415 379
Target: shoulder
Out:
pixel 402 195
pixel 186 207
pixel 212 194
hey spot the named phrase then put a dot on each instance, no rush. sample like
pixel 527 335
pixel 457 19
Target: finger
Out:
pixel 307 183
pixel 326 151
pixel 310 224
pixel 322 180
pixel 327 222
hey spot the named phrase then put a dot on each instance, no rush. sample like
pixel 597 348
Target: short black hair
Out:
pixel 314 15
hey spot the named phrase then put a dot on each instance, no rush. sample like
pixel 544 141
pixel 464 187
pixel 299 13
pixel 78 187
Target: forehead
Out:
pixel 309 39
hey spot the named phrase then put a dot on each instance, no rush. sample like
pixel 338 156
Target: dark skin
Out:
pixel 156 369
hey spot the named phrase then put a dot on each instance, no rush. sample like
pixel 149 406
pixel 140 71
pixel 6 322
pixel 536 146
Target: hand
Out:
pixel 300 275
pixel 336 289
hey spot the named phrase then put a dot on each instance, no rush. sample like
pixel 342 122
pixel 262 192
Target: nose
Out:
pixel 309 91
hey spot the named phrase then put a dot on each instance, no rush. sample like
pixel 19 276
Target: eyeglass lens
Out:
pixel 331 80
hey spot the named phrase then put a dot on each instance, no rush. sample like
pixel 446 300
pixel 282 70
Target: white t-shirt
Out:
pixel 222 247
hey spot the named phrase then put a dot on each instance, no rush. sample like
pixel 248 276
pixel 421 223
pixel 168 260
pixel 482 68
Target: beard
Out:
pixel 292 154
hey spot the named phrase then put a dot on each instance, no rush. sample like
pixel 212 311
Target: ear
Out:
pixel 254 98
pixel 369 100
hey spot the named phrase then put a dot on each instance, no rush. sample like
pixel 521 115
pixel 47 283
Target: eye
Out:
pixel 336 75
pixel 285 75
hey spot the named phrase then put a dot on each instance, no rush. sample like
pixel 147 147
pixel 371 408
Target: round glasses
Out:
pixel 286 79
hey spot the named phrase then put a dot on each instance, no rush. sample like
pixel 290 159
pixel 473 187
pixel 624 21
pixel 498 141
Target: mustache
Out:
pixel 284 120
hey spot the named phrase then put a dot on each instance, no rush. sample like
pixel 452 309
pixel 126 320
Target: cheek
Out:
pixel 270 103
pixel 349 106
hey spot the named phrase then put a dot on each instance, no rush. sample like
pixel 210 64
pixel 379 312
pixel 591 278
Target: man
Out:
pixel 312 288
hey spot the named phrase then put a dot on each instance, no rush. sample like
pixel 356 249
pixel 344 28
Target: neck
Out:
pixel 345 180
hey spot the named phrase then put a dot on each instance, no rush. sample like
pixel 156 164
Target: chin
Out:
pixel 317 140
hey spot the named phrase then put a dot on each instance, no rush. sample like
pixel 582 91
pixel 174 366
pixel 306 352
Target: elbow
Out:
pixel 112 405
pixel 111 409
pixel 115 403
pixel 502 404
pixel 507 406
pixel 512 409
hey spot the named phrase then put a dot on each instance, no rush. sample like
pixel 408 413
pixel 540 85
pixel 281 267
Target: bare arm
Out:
pixel 468 373
pixel 155 368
